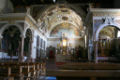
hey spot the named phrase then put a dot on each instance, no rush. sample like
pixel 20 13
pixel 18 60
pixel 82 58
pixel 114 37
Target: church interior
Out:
pixel 59 40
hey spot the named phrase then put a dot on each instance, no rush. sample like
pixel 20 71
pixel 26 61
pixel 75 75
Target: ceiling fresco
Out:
pixel 66 29
pixel 107 32
pixel 57 14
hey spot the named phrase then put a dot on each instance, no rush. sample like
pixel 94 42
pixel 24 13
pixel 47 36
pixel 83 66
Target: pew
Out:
pixel 90 66
pixel 23 71
pixel 86 71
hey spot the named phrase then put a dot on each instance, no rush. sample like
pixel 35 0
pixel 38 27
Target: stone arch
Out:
pixel 9 25
pixel 103 26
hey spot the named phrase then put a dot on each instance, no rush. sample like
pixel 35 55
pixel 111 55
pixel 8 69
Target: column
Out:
pixel 1 43
pixel 21 57
pixel 90 51
pixel 30 50
pixel 96 52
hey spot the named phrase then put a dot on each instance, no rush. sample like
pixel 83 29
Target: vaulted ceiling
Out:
pixel 102 3
pixel 32 2
pixel 60 14
pixel 107 32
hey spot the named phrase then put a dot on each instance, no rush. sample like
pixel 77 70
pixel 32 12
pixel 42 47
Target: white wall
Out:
pixel 6 6
pixel 33 55
pixel 34 46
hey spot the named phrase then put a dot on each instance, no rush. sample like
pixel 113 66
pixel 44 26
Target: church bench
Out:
pixel 91 74
pixel 92 71
pixel 19 69
pixel 89 66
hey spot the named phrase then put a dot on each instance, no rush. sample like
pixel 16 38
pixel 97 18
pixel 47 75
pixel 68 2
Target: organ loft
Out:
pixel 59 40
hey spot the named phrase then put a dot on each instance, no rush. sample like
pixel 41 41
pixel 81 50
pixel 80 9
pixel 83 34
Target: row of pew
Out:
pixel 86 71
pixel 21 70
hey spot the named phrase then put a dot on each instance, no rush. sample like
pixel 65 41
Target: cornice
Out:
pixel 101 10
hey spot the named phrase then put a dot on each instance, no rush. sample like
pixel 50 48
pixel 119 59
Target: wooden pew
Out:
pixel 89 66
pixel 91 71
pixel 25 70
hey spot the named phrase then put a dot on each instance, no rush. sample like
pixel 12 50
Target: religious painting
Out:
pixel 66 29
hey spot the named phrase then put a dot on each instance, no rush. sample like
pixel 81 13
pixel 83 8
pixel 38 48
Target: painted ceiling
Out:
pixel 66 29
pixel 107 32
pixel 59 14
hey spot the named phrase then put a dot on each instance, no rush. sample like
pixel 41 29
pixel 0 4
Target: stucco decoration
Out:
pixel 108 20
pixel 56 14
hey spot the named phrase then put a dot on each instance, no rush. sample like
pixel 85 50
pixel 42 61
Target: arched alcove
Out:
pixel 107 43
pixel 11 40
pixel 28 43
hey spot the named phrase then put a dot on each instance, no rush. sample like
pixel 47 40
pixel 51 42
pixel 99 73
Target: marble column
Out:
pixel 21 56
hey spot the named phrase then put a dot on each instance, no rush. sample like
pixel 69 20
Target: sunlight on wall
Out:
pixel 118 34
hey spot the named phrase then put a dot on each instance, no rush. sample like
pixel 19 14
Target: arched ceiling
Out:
pixel 58 14
pixel 107 32
pixel 67 29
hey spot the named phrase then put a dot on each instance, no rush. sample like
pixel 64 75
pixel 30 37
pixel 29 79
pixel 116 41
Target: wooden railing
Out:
pixel 21 71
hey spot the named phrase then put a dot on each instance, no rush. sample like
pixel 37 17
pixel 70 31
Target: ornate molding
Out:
pixel 108 20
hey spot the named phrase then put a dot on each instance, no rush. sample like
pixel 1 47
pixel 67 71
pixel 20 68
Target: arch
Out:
pixel 97 36
pixel 103 26
pixel 59 24
pixel 28 43
pixel 30 31
pixel 11 40
pixel 9 25
pixel 57 19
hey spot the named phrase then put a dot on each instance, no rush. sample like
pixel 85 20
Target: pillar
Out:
pixel 90 50
pixel 1 43
pixel 21 57
pixel 96 52
pixel 30 50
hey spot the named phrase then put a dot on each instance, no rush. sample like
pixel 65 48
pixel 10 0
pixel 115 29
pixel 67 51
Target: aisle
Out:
pixel 50 64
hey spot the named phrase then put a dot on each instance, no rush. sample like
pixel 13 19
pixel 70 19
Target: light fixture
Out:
pixel 54 1
pixel 64 42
